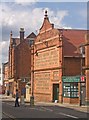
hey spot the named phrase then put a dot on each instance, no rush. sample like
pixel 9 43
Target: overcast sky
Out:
pixel 17 14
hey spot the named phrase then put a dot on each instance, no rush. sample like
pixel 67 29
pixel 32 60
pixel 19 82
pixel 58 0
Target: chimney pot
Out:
pixel 21 34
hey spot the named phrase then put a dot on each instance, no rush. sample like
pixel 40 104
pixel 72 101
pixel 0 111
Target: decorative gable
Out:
pixel 46 24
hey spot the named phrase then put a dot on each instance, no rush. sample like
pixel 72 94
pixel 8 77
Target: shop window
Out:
pixel 70 90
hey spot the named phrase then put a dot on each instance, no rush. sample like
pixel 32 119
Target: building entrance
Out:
pixel 83 94
pixel 55 92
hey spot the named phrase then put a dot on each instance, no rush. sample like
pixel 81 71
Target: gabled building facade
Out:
pixel 57 64
pixel 19 62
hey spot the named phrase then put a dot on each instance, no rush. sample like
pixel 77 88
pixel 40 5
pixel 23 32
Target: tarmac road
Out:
pixel 39 111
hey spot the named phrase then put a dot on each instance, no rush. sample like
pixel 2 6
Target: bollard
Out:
pixel 22 99
pixel 32 101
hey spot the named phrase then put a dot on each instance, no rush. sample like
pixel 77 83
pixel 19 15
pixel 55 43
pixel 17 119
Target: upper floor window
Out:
pixel 31 42
pixel 82 51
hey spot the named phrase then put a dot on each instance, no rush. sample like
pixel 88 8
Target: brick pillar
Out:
pixel 87 67
pixel 61 65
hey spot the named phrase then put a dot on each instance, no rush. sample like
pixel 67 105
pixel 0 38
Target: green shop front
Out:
pixel 71 89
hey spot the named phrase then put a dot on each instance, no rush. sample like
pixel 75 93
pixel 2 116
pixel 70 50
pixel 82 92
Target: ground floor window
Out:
pixel 70 89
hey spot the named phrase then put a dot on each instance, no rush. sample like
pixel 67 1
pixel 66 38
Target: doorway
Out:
pixel 55 92
pixel 83 94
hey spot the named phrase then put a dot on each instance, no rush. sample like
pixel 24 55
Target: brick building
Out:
pixel 87 66
pixel 6 75
pixel 2 88
pixel 19 61
pixel 57 64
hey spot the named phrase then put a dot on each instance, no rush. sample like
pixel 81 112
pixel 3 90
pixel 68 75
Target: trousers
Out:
pixel 16 102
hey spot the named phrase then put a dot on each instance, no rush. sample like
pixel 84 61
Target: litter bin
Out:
pixel 32 101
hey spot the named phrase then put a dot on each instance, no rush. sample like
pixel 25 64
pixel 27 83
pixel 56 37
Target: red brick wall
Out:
pixel 87 65
pixel 10 61
pixel 23 60
pixel 48 60
pixel 6 71
pixel 72 66
pixel 12 54
pixel 71 100
pixel 43 97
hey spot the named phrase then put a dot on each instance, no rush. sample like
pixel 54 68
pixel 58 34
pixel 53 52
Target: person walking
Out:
pixel 17 97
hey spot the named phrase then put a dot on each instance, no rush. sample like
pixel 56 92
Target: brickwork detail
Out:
pixel 47 59
pixel 42 82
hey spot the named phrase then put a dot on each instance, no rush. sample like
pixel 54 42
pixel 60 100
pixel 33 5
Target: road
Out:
pixel 26 111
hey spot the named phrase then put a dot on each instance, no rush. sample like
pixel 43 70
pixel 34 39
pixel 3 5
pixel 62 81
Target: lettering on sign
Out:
pixel 47 59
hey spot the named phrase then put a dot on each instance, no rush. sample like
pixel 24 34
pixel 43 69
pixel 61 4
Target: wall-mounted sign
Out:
pixel 83 78
pixel 71 78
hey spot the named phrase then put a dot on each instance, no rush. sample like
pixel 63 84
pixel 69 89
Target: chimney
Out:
pixel 21 34
pixel 11 37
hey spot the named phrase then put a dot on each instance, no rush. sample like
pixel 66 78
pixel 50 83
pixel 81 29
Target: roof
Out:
pixel 32 35
pixel 17 41
pixel 5 64
pixel 72 39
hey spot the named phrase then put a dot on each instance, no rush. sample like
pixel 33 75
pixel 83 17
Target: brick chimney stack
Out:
pixel 11 37
pixel 21 34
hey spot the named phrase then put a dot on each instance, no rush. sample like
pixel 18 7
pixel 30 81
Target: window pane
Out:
pixel 66 89
pixel 67 94
pixel 70 89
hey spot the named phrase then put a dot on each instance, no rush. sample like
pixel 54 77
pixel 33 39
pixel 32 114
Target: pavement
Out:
pixel 72 106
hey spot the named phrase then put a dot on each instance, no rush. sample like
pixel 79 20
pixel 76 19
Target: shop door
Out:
pixel 55 92
pixel 83 95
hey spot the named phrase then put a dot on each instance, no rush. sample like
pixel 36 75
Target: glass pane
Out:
pixel 74 94
pixel 66 89
pixel 67 94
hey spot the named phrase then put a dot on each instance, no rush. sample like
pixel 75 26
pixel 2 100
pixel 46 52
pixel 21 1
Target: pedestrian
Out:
pixel 17 97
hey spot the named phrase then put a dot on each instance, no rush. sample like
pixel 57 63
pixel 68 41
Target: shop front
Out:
pixel 71 89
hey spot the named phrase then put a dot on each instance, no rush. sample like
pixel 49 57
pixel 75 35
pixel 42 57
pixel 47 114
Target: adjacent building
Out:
pixel 87 66
pixel 57 72
pixel 6 76
pixel 2 88
pixel 20 62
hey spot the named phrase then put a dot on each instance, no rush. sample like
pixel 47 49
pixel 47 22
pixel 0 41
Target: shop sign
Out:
pixel 71 78
pixel 82 78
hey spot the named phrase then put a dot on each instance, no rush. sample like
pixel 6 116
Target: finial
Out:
pixel 11 33
pixel 22 29
pixel 46 14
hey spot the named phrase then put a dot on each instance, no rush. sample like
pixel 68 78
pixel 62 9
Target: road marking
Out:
pixel 10 116
pixel 11 104
pixel 34 108
pixel 68 115
pixel 40 109
pixel 47 109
